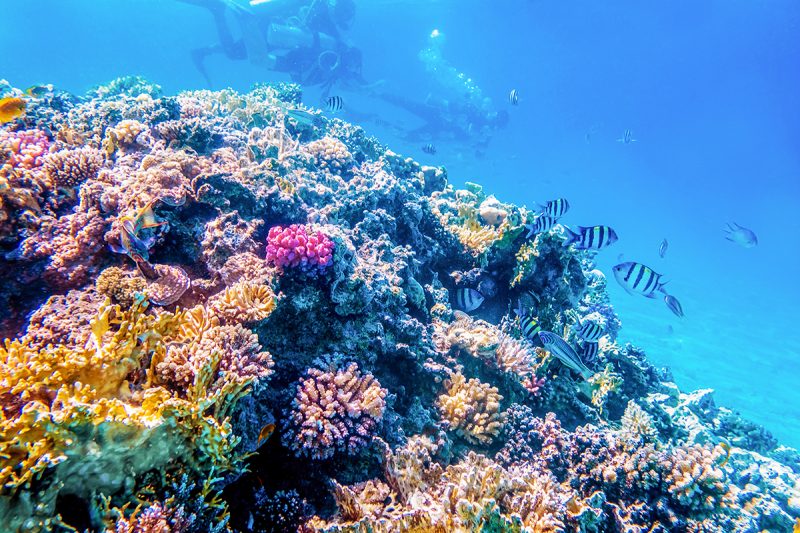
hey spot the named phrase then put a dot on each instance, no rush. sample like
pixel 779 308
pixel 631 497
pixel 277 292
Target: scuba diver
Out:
pixel 455 108
pixel 301 38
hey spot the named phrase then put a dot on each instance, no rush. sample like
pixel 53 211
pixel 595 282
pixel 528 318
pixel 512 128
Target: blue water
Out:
pixel 708 89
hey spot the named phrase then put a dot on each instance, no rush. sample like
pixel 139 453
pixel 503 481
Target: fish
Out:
pixel 38 91
pixel 674 305
pixel 302 117
pixel 131 244
pixel 637 278
pixel 265 433
pixel 740 235
pixel 11 108
pixel 513 97
pixel 468 299
pixel 564 352
pixel 555 208
pixel 662 248
pixel 334 104
pixel 528 324
pixel 589 351
pixel 626 138
pixel 541 224
pixel 591 238
pixel 590 331
pixel 429 149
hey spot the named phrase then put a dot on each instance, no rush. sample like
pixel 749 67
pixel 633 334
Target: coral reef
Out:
pixel 275 346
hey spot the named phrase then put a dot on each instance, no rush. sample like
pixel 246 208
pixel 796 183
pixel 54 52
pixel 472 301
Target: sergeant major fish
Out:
pixel 742 236
pixel 662 248
pixel 468 299
pixel 429 149
pixel 637 278
pixel 590 331
pixel 673 304
pixel 513 97
pixel 555 208
pixel 564 352
pixel 589 351
pixel 627 138
pixel 541 224
pixel 593 237
pixel 528 324
pixel 334 104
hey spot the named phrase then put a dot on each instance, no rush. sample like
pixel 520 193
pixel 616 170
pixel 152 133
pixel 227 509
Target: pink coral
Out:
pixel 298 246
pixel 25 149
pixel 334 411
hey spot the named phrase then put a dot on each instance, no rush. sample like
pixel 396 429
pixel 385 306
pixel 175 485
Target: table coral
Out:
pixel 471 409
pixel 334 410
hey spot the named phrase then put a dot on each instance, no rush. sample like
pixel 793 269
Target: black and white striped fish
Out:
pixel 626 138
pixel 637 278
pixel 662 248
pixel 589 351
pixel 564 352
pixel 513 97
pixel 468 299
pixel 592 237
pixel 555 208
pixel 334 104
pixel 429 149
pixel 530 327
pixel 590 331
pixel 541 224
pixel 674 305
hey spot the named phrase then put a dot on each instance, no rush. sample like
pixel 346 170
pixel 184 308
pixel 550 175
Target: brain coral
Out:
pixel 334 410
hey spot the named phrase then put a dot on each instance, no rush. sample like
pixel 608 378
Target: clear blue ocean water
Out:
pixel 710 91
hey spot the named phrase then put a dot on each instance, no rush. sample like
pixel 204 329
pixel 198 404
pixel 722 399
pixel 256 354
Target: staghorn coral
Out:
pixel 299 247
pixel 334 411
pixel 244 302
pixel 471 409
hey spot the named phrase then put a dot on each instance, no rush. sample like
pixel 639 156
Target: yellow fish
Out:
pixel 11 108
pixel 265 433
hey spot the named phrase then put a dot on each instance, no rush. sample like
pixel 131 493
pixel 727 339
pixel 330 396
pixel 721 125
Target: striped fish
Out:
pixel 591 238
pixel 530 327
pixel 541 224
pixel 334 104
pixel 589 351
pixel 513 97
pixel 468 299
pixel 674 305
pixel 662 248
pixel 555 208
pixel 429 149
pixel 637 278
pixel 564 352
pixel 590 331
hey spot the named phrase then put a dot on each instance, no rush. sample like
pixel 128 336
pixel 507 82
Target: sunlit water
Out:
pixel 709 90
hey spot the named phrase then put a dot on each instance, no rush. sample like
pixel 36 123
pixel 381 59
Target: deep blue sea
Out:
pixel 710 91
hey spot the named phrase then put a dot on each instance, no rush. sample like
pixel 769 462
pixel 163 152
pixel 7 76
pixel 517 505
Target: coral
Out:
pixel 246 267
pixel 63 320
pixel 471 409
pixel 299 246
pixel 226 236
pixel 334 410
pixel 166 289
pixel 120 285
pixel 70 168
pixel 244 302
pixel 330 154
pixel 695 480
pixel 278 512
pixel 22 150
pixel 637 425
pixel 125 136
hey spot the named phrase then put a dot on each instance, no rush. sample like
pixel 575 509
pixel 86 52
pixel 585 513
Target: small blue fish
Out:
pixel 555 208
pixel 674 305
pixel 468 299
pixel 627 138
pixel 564 352
pixel 541 224
pixel 741 236
pixel 662 248
pixel 637 278
pixel 591 238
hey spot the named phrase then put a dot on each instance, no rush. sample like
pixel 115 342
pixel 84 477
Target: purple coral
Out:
pixel 299 246
pixel 334 410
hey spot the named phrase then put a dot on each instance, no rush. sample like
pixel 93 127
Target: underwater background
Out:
pixel 709 90
pixel 671 122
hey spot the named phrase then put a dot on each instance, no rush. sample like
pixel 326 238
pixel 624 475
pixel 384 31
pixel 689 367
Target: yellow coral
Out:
pixel 526 255
pixel 121 285
pixel 471 409
pixel 244 302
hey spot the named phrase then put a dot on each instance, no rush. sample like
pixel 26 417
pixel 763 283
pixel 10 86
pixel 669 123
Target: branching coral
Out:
pixel 471 409
pixel 334 410
pixel 299 247
pixel 69 168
